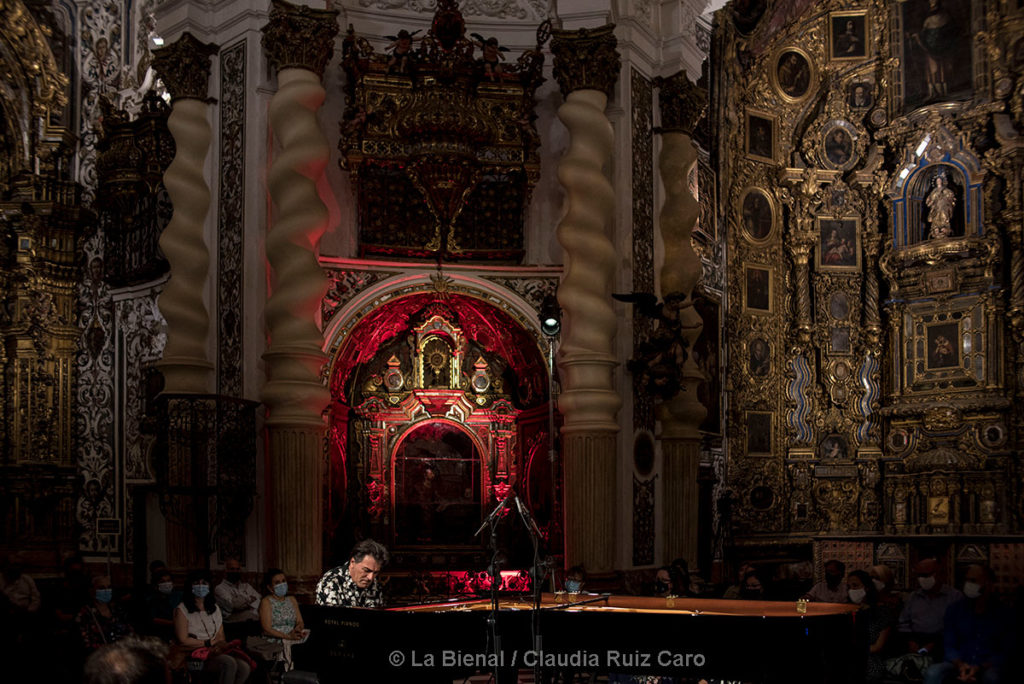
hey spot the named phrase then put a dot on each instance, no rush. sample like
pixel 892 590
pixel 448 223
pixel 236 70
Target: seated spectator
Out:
pixel 752 589
pixel 22 595
pixel 155 568
pixel 280 619
pixel 663 581
pixel 682 582
pixel 238 602
pixel 862 591
pixel 128 661
pixel 978 635
pixel 575 578
pixel 833 589
pixel 921 618
pixel 161 601
pixel 883 578
pixel 198 624
pixel 102 621
pixel 733 592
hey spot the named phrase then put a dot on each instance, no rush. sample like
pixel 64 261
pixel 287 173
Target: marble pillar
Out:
pixel 299 41
pixel 586 66
pixel 184 66
pixel 679 417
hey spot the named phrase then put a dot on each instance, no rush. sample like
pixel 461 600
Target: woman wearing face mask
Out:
pixel 879 620
pixel 574 579
pixel 162 599
pixel 102 621
pixel 198 623
pixel 280 618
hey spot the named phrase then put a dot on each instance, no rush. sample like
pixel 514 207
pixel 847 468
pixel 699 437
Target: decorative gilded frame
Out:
pixel 746 433
pixel 819 263
pixel 866 38
pixel 747 309
pixel 750 113
pixel 855 148
pixel 812 77
pixel 749 190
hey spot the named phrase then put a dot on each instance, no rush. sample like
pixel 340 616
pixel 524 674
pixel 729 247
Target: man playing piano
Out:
pixel 355 584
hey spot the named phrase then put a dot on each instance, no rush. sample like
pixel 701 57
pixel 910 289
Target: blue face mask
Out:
pixel 200 590
pixel 281 589
pixel 573 586
pixel 104 595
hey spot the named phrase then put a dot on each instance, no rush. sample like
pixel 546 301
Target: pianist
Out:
pixel 355 584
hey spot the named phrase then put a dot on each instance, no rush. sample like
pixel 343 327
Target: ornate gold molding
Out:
pixel 299 37
pixel 184 66
pixel 586 59
pixel 682 103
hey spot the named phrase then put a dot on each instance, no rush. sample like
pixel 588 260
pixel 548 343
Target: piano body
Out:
pixel 761 642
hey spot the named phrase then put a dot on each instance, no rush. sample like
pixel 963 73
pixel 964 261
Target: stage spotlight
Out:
pixel 550 316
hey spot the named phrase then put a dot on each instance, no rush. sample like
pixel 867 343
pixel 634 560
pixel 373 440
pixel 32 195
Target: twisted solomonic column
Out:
pixel 299 42
pixel 184 66
pixel 682 106
pixel 586 66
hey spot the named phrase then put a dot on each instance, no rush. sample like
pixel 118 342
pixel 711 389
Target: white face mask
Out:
pixel 972 590
pixel 879 584
pixel 857 595
pixel 165 587
pixel 927 583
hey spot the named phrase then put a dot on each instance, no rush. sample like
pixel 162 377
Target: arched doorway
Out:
pixel 439 404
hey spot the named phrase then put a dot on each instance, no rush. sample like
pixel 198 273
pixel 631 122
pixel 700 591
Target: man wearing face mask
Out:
pixel 833 589
pixel 238 601
pixel 978 637
pixel 921 618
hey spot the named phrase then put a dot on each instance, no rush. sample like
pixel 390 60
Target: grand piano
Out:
pixel 762 642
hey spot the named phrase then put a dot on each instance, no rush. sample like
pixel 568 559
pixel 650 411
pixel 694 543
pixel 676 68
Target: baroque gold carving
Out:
pixel 682 103
pixel 586 59
pixel 298 36
pixel 184 66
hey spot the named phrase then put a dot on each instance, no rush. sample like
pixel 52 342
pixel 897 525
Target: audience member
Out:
pixel 128 661
pixel 883 577
pixel 682 580
pixel 752 589
pixel 978 634
pixel 575 578
pixel 733 592
pixel 199 624
pixel 156 567
pixel 161 601
pixel 832 589
pixel 238 602
pixel 22 595
pixel 663 581
pixel 879 622
pixel 102 621
pixel 280 619
pixel 922 615
pixel 356 583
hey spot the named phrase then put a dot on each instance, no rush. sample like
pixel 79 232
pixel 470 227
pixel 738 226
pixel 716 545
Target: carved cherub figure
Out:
pixel 492 55
pixel 403 58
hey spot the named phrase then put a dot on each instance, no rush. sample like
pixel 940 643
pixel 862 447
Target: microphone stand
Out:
pixel 495 572
pixel 539 570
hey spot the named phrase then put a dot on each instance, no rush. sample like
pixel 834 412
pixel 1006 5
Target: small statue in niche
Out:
pixel 940 202
pixel 658 360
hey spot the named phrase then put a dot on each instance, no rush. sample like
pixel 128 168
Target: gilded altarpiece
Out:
pixel 870 178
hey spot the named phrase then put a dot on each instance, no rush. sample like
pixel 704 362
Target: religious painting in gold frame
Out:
pixel 761 134
pixel 757 215
pixel 757 289
pixel 942 345
pixel 793 74
pixel 759 433
pixel 938 510
pixel 848 35
pixel 838 244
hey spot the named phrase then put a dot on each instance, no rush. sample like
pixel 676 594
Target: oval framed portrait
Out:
pixel 793 74
pixel 757 215
pixel 839 145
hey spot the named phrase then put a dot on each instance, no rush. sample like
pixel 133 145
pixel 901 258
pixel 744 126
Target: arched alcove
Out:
pixel 439 408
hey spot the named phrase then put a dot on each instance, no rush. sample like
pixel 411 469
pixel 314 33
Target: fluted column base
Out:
pixel 681 498
pixel 589 494
pixel 294 488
